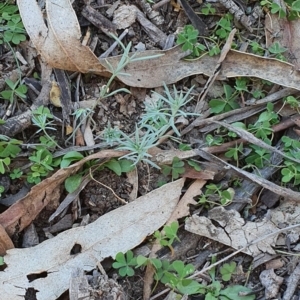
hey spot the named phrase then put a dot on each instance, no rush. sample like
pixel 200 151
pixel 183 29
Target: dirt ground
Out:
pixel 237 209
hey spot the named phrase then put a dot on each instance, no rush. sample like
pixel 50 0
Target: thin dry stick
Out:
pixel 159 4
pixel 120 199
pixel 244 248
pixel 114 45
pixel 224 147
pixel 200 121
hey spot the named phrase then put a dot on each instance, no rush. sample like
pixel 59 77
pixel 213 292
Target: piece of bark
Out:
pixel 195 19
pixel 66 102
pixel 292 283
pixel 5 241
pixel 99 20
pixel 154 33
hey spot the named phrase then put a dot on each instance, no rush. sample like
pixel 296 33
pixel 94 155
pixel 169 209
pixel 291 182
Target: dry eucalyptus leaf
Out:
pixel 59 43
pixel 171 68
pixel 233 230
pixel 60 46
pixel 117 231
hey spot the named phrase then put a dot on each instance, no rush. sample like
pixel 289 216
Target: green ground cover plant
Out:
pixel 177 274
pixel 11 26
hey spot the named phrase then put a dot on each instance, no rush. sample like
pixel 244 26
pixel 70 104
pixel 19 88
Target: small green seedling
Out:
pixel 194 164
pixel 292 102
pixel 9 148
pixel 16 173
pixel 224 26
pixel 175 169
pixel 274 8
pixel 227 270
pixel 174 101
pixel 277 50
pixel 124 263
pixel 69 158
pixel 2 189
pixel 111 135
pixel 138 146
pixel 15 90
pixel 215 140
pixel 11 26
pixel 291 173
pixel 178 280
pixel 214 192
pixel 43 163
pixel 259 157
pixel 235 152
pixel 188 41
pixel 225 104
pixel 262 128
pixel 119 166
pixel 40 119
pixel 167 236
pixel 207 9
pixel 256 48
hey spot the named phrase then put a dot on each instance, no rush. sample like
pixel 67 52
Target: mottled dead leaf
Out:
pixel 117 231
pixel 233 230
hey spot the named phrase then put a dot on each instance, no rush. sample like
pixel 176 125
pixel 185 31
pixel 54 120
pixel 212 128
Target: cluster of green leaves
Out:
pixel 262 128
pixel 289 9
pixel 188 38
pixel 228 101
pixel 42 118
pixel 11 26
pixel 175 169
pixel 177 274
pixel 9 148
pixel 257 157
pixel 168 235
pixel 224 26
pixel 291 170
pixel 216 195
pixel 188 41
pixel 162 114
pixel 208 9
pixel 42 163
pixel 15 90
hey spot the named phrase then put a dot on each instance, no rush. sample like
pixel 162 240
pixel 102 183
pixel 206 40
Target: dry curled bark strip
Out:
pixel 18 123
pixel 292 283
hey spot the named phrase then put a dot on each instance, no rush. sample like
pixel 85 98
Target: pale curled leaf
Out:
pixel 233 230
pixel 59 43
pixel 117 231
pixel 69 54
